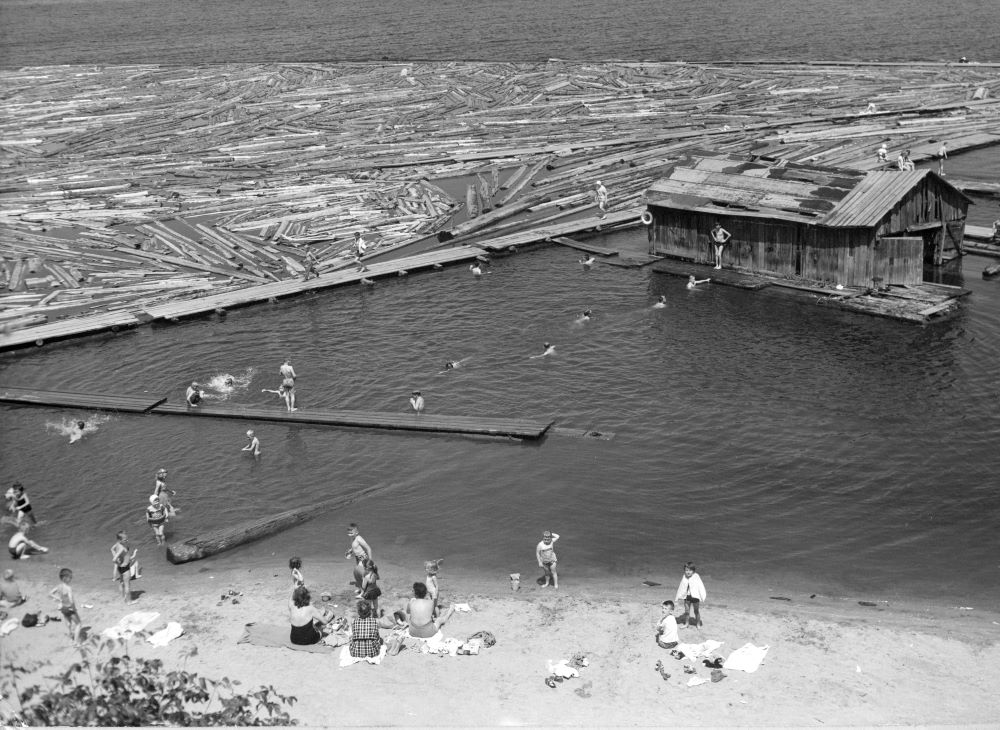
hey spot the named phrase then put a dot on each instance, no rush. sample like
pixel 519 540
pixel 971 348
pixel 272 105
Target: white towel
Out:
pixel 166 635
pixel 696 680
pixel 130 624
pixel 347 660
pixel 694 651
pixel 562 669
pixel 462 607
pixel 747 658
pixel 9 625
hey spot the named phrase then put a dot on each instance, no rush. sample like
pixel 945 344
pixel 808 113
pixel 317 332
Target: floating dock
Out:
pixel 918 303
pixel 520 428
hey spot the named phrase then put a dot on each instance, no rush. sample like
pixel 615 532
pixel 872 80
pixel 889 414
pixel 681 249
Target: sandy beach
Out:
pixel 830 661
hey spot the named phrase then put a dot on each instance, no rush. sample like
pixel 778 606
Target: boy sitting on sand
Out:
pixel 666 630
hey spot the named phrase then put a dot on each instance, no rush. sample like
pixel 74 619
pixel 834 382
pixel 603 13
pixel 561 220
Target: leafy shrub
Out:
pixel 110 688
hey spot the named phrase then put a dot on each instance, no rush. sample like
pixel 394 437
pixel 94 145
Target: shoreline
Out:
pixel 831 661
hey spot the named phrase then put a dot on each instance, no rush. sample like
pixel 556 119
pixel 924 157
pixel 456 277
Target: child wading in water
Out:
pixel 432 567
pixel 692 591
pixel 369 585
pixel 546 554
pixel 67 604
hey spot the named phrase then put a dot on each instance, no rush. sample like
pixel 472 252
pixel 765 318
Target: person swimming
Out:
pixel 417 401
pixel 660 303
pixel 587 260
pixel 549 350
pixel 692 282
pixel 453 365
pixel 476 269
pixel 584 318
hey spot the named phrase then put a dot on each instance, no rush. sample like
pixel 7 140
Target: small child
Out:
pixel 63 593
pixel 156 516
pixel 692 282
pixel 369 585
pixel 692 591
pixel 22 505
pixel 666 630
pixel 546 555
pixel 295 565
pixel 253 444
pixel 432 567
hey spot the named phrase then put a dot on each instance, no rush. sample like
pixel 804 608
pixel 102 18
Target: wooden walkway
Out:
pixel 521 428
pixel 72 327
pixel 545 233
pixel 90 401
pixel 265 292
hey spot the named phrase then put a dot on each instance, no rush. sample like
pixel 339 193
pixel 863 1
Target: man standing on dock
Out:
pixel 720 237
pixel 942 155
pixel 602 199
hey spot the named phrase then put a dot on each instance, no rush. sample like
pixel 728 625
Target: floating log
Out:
pixel 226 538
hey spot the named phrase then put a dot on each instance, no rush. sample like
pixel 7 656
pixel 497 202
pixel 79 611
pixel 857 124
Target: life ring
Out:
pixel 646 218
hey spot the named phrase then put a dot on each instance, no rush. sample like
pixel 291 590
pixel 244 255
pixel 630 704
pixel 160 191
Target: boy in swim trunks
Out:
pixel 63 593
pixel 546 555
pixel 288 375
pixel 360 551
pixel 21 547
pixel 123 563
pixel 156 517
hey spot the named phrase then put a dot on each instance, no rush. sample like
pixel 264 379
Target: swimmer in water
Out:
pixel 549 350
pixel 660 303
pixel 692 282
pixel 583 318
pixel 476 269
pixel 452 365
pixel 587 261
pixel 230 381
pixel 193 395
pixel 417 402
pixel 253 444
pixel 77 433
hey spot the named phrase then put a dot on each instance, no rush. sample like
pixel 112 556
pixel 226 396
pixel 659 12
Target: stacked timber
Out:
pixel 126 187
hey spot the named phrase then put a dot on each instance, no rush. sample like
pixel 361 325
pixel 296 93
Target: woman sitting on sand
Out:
pixel 420 613
pixel 305 618
pixel 365 639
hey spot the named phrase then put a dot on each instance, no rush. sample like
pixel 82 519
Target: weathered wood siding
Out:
pixel 899 261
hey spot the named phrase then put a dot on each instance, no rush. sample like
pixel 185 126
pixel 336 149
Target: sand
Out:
pixel 831 661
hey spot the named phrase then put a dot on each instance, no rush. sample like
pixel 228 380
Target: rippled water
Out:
pixel 37 32
pixel 769 439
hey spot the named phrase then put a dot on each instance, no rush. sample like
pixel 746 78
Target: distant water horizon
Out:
pixel 44 32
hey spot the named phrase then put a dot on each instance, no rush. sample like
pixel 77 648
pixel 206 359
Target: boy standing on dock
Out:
pixel 720 237
pixel 942 155
pixel 288 377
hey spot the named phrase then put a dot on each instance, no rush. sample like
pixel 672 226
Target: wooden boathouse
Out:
pixel 826 224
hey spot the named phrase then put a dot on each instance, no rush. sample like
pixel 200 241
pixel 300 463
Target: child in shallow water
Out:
pixel 295 565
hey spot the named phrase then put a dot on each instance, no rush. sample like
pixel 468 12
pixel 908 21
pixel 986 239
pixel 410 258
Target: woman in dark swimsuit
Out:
pixel 304 617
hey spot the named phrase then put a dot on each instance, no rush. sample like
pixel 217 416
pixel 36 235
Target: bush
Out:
pixel 110 688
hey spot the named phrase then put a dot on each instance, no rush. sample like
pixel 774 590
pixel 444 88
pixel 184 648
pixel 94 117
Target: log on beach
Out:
pixel 226 538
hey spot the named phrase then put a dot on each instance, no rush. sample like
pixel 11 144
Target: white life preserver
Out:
pixel 646 218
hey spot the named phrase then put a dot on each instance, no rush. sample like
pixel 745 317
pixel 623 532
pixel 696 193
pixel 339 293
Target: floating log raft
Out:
pixel 227 538
pixel 130 187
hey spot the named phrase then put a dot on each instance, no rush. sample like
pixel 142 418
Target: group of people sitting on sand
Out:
pixel 421 617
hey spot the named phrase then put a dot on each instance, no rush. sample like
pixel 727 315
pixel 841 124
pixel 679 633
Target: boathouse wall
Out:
pixel 788 249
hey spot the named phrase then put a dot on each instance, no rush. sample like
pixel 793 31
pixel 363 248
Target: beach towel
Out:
pixel 347 660
pixel 130 624
pixel 562 669
pixel 747 658
pixel 271 635
pixel 694 651
pixel 9 625
pixel 462 607
pixel 166 635
pixel 696 680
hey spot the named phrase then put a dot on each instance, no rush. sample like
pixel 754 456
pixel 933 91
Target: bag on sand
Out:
pixel 29 620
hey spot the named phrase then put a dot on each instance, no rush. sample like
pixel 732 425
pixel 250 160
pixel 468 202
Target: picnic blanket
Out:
pixel 747 658
pixel 695 651
pixel 130 624
pixel 271 635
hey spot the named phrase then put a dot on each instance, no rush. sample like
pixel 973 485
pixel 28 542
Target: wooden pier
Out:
pixel 543 234
pixel 519 428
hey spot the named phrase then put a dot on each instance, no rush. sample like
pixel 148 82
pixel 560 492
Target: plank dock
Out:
pixel 521 428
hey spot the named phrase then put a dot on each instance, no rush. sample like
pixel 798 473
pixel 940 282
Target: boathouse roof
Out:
pixel 826 196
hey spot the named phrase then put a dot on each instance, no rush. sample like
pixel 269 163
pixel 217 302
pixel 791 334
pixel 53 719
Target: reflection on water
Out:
pixel 761 435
